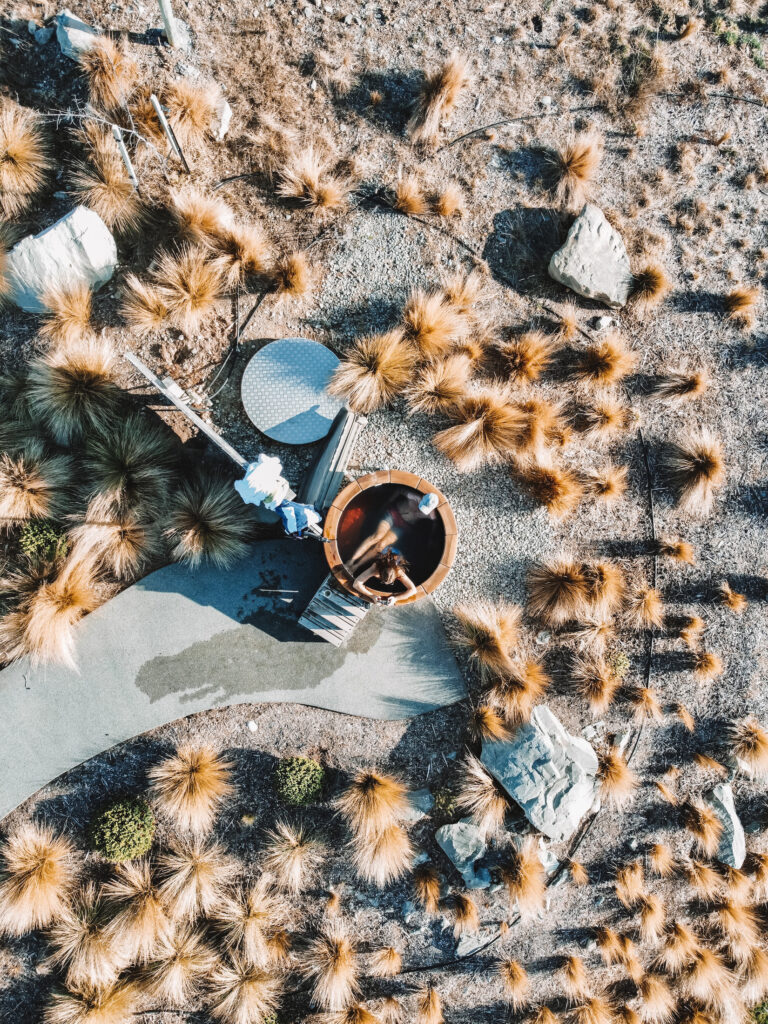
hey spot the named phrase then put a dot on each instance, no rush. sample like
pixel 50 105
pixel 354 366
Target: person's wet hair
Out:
pixel 387 565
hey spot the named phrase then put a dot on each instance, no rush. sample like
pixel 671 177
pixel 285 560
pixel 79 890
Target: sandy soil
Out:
pixel 690 211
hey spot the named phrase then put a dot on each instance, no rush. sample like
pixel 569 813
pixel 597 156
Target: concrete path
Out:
pixel 179 642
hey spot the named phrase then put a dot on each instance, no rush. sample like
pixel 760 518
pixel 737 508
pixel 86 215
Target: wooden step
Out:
pixel 332 613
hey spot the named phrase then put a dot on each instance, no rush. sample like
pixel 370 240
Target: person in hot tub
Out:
pixel 406 510
pixel 389 567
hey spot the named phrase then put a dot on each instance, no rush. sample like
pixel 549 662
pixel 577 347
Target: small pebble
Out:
pixel 252 725
pixel 546 101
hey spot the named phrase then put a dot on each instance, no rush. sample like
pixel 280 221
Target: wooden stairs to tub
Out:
pixel 333 613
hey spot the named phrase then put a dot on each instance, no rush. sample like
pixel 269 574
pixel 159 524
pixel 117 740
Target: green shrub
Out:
pixel 760 1013
pixel 619 664
pixel 446 801
pixel 123 830
pixel 299 780
pixel 42 541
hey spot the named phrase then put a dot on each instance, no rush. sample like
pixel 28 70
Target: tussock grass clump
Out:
pixel 33 484
pixel 594 680
pixel 518 689
pixel 24 158
pixel 291 277
pixel 657 1000
pixel 644 608
pixel 72 389
pixel 678 550
pixel 618 782
pixel 306 177
pixel 182 964
pixel 579 874
pixel 523 875
pixel 703 878
pixel 291 854
pixel 191 109
pixel 594 1010
pixel 464 913
pixel 384 856
pixel 645 703
pixel 706 665
pixel 574 166
pixel 707 979
pixel 693 468
pixel 690 629
pixel 605 588
pixel 604 362
pixel 652 917
pixel 36 875
pixel 197 216
pixel 558 489
pixel 409 197
pixel 704 825
pixel 558 591
pixel 486 632
pixel 630 884
pixel 740 305
pixel 678 948
pixel 208 521
pixel 661 860
pixel 131 466
pixel 433 323
pixel 650 286
pixel 68 314
pixel 573 975
pixel 374 370
pixel 429 1007
pixel 678 386
pixel 437 99
pixel 526 357
pixel 480 795
pixel 488 430
pixel 486 724
pixel 194 874
pixel 189 283
pixel 739 926
pixel 112 1005
pixel 242 252
pixel 190 785
pixel 515 981
pixel 608 484
pixel 603 417
pixel 144 308
pixel 82 945
pixel 749 743
pixel 449 201
pixel 140 921
pixel 242 993
pixel 426 885
pixel 385 963
pixel 372 802
pixel 754 976
pixel 110 73
pixel 103 186
pixel 730 599
pixel 439 386
pixel 329 963
pixel 118 539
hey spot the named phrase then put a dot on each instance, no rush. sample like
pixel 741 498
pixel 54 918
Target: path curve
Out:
pixel 181 641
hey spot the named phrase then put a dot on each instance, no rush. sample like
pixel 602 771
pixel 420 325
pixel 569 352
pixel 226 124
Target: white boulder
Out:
pixel 733 847
pixel 73 35
pixel 593 262
pixel 463 844
pixel 78 249
pixel 551 774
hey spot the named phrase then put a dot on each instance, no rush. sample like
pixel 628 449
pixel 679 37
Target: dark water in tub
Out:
pixel 422 543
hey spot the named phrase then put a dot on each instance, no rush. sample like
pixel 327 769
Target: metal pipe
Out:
pixel 171 32
pixel 124 154
pixel 170 134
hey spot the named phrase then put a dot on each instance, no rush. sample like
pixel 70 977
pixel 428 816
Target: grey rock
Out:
pixel 732 849
pixel 78 248
pixel 222 118
pixel 593 262
pixel 463 844
pixel 73 35
pixel 420 803
pixel 469 944
pixel 547 771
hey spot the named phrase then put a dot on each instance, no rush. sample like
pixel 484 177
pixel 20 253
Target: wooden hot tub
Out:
pixel 430 547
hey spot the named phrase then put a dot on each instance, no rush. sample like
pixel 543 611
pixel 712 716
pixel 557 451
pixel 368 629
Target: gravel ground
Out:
pixel 690 211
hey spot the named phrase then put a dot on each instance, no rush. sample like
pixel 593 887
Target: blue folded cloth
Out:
pixel 297 517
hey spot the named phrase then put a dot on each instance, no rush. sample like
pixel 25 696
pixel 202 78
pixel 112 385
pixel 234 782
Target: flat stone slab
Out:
pixel 77 249
pixel 547 771
pixel 733 847
pixel 593 262
pixel 73 34
pixel 181 641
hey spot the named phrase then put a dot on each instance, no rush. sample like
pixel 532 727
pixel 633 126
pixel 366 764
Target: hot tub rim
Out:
pixel 416 483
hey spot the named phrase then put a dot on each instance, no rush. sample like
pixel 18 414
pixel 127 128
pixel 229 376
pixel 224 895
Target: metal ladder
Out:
pixel 333 613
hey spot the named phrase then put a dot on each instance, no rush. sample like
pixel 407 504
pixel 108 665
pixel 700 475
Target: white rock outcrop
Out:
pixel 78 249
pixel 551 774
pixel 593 262
pixel 73 35
pixel 733 847
pixel 464 844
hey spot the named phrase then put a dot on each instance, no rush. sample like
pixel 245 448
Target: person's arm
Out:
pixel 370 547
pixel 359 585
pixel 410 588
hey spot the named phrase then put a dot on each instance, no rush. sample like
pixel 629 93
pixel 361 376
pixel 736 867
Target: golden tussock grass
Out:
pixel 241 992
pixel 73 389
pixel 429 1007
pixel 426 886
pixel 291 277
pixel 515 982
pixel 191 109
pixel 693 468
pixel 51 612
pixel 517 691
pixel 749 743
pixel 36 877
pixel 708 980
pixel 730 599
pixel 486 724
pixel 703 878
pixel 644 609
pixel 650 286
pixel 390 1010
pixel 592 678
pixel 194 874
pixel 89 955
pixel 557 488
pixel 608 484
pixel 630 884
pixel 678 550
pixel 102 184
pixel 306 177
pixel 189 786
pixel 33 484
pixel 480 796
pixel 112 1005
pixel 197 216
pixel 737 885
pixel 574 978
pixel 544 1015
pixel 374 370
pixel 291 854
pixel 757 865
pixel 679 386
pixel 605 362
pixel 437 99
pixel 661 860
pixel 557 591
pixel 439 386
pixel 690 629
pixel 67 314
pixel 385 963
pixel 332 906
pixel 449 201
pixel 704 825
pixel 706 665
pixel 523 876
pixel 645 702
pixel 657 1000
pixel 605 588
pixel 433 323
pixel 740 305
pixel 372 802
pixel 189 283
pixel 182 964
pixel 144 307
pixel 574 166
pixel 241 252
pixel 382 857
pixel 140 921
pixel 594 1010
pixel 132 465
pixel 709 764
pixel 685 717
pixel 465 291
pixel 754 976
pixel 486 632
pixel 329 963
pixel 618 782
pixel 24 158
pixel 118 540
pixel 603 418
pixel 739 926
pixel 354 1014
pixel 678 948
pixel 579 874
pixel 652 917
pixel 110 73
pixel 525 357
pixel 464 914
pixel 409 197
pixel 591 635
pixel 206 522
